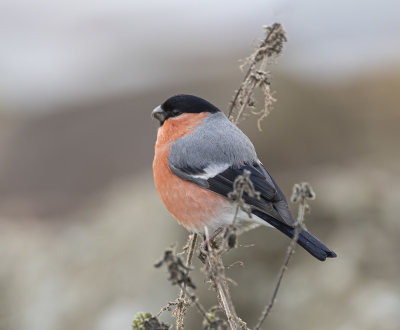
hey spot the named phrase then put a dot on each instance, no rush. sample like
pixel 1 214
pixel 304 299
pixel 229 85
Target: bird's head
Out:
pixel 181 104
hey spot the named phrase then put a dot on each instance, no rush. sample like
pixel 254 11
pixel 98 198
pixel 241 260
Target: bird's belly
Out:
pixel 193 206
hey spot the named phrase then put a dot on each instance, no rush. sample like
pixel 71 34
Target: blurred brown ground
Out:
pixel 81 224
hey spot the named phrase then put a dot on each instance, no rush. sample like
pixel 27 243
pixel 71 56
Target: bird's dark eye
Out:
pixel 175 112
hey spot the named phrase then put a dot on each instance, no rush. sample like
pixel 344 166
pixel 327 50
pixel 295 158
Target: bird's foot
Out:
pixel 210 242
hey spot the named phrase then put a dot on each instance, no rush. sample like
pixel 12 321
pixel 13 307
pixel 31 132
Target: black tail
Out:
pixel 306 240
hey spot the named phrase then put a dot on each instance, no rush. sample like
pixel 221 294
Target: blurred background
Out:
pixel 81 224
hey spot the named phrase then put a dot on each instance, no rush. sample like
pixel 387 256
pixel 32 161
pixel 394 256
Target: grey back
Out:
pixel 215 141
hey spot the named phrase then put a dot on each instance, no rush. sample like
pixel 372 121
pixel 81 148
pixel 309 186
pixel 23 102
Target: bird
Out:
pixel 199 153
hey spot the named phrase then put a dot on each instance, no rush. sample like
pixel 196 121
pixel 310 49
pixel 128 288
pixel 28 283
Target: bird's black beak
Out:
pixel 159 114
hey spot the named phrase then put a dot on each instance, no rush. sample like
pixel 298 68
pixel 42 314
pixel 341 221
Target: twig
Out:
pixel 192 246
pixel 301 193
pixel 289 254
pixel 179 274
pixel 195 300
pixel 182 304
pixel 216 273
pixel 181 307
pixel 239 90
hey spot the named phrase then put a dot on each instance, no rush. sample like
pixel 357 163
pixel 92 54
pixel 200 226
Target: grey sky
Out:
pixel 55 51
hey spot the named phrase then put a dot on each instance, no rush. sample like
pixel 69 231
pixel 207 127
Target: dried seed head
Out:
pixel 241 185
pixel 301 192
pixel 258 77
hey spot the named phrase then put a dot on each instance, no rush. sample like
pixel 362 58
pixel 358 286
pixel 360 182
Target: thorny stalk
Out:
pixel 257 76
pixel 301 194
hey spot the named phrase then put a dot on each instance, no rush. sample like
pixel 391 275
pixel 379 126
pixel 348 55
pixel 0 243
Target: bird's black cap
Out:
pixel 188 104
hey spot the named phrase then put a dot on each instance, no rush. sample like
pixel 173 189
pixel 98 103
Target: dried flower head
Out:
pixel 258 77
pixel 176 269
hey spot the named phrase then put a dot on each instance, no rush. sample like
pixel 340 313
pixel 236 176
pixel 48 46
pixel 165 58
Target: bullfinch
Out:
pixel 198 155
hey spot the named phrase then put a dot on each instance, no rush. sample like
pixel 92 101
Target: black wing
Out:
pixel 271 202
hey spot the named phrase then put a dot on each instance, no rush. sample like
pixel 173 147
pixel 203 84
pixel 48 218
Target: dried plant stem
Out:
pixel 199 307
pixel 225 298
pixel 257 77
pixel 192 246
pixel 249 70
pixel 301 193
pixel 181 307
pixel 284 267
pixel 245 103
pixel 216 271
pixel 239 90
